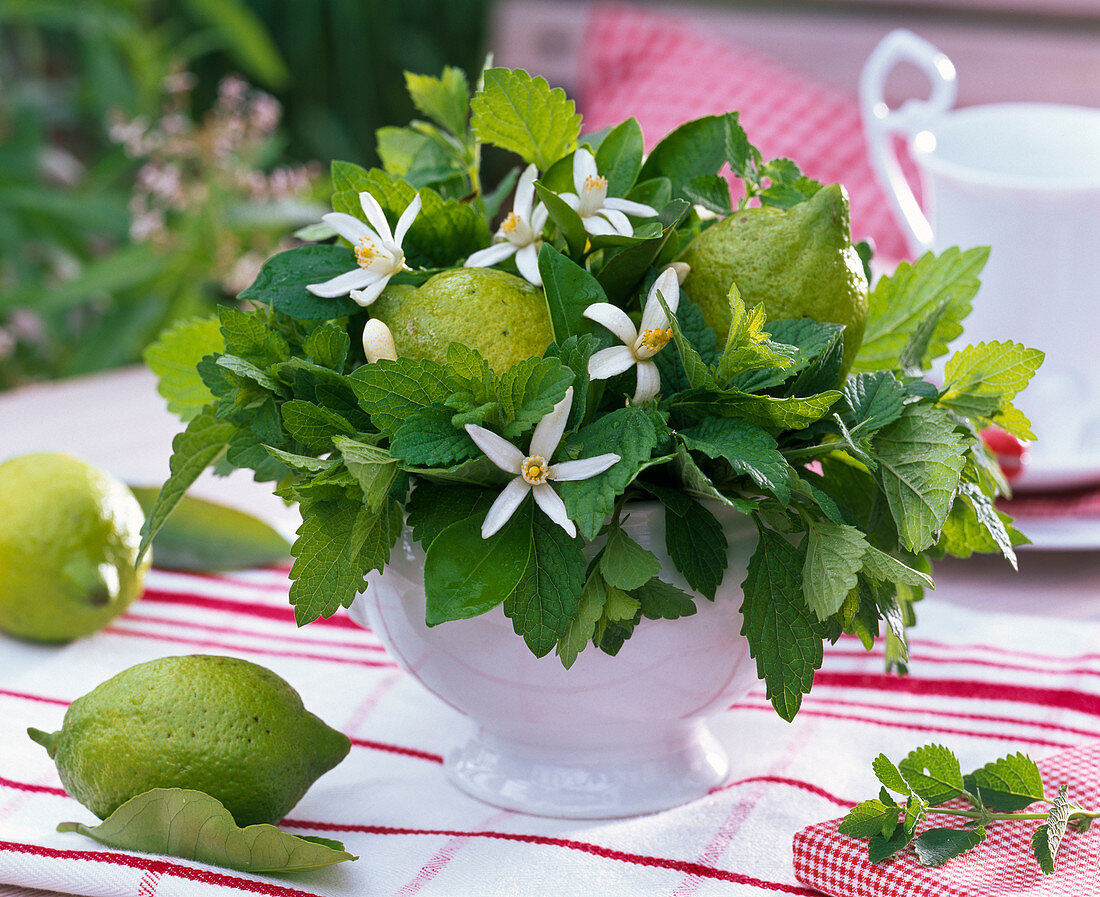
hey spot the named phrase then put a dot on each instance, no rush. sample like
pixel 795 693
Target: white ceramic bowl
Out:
pixel 613 736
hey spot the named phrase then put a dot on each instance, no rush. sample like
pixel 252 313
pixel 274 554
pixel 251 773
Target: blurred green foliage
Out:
pixel 76 293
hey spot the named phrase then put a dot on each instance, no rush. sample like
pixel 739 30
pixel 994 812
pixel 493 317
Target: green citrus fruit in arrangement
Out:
pixel 223 726
pixel 799 262
pixel 69 537
pixel 500 315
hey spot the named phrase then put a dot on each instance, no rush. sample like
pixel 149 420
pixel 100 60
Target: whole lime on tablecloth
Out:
pixel 69 537
pixel 220 725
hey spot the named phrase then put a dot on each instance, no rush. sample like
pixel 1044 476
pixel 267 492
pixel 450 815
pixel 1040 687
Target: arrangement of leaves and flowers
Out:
pixel 507 369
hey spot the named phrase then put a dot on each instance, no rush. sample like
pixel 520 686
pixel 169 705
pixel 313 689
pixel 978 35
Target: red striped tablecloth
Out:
pixel 983 684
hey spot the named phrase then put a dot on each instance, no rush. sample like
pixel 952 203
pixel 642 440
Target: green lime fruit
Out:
pixel 500 315
pixel 799 262
pixel 69 537
pixel 223 726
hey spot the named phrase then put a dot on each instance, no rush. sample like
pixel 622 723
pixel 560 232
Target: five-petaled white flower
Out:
pixel 377 250
pixel 600 213
pixel 639 348
pixel 533 470
pixel 520 234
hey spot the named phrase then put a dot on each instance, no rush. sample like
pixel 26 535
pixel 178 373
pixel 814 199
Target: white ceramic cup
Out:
pixel 1023 179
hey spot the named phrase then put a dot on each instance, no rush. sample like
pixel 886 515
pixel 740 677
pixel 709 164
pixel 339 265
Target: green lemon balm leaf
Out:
pixel 932 771
pixel 1008 784
pixel 173 358
pixel 522 114
pixel 625 564
pixel 1048 836
pixel 583 626
pixel 445 99
pixel 183 823
pixel 887 773
pixel 466 575
pixel 866 819
pixel 834 557
pixel 697 545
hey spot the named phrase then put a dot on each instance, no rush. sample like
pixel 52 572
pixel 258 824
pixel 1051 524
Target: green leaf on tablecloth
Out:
pixel 546 599
pixel 935 846
pixel 193 450
pixel 866 819
pixel 834 557
pixel 782 633
pixel 624 563
pixel 192 825
pixel 899 302
pixel 1048 836
pixel 697 545
pixel 1008 784
pixel 920 459
pixel 522 114
pixel 466 575
pixel 882 848
pixel 933 773
pixel 173 358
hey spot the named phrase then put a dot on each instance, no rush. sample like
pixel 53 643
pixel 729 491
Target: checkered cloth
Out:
pixel 665 71
pixel 983 684
pixel 1002 865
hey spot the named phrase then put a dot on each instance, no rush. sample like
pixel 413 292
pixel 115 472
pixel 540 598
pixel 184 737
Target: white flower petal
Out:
pixel 598 226
pixel 342 284
pixel 554 508
pixel 610 362
pixel 619 221
pixel 614 319
pixel 497 449
pixel 547 435
pixel 653 316
pixel 378 341
pixel 637 209
pixel 376 216
pixel 505 506
pixel 583 468
pixel 406 219
pixel 527 260
pixel 525 192
pixel 538 219
pixel 370 292
pixel 649 381
pixel 486 258
pixel 584 167
pixel 349 227
pixel 571 200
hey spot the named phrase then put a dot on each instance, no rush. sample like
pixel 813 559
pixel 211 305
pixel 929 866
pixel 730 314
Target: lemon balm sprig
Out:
pixel 930 776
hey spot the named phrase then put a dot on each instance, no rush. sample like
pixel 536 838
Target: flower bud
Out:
pixel 378 341
pixel 682 270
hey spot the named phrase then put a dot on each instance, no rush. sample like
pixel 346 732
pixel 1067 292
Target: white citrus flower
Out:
pixel 600 213
pixel 377 250
pixel 519 233
pixel 533 470
pixel 378 341
pixel 638 348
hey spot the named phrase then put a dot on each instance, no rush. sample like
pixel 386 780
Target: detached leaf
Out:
pixel 936 846
pixel 882 848
pixel 522 114
pixel 183 823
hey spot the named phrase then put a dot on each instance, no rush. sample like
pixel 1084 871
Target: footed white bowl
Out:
pixel 613 736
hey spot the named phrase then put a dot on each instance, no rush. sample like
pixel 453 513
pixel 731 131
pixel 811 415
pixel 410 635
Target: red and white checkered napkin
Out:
pixel 665 71
pixel 1001 866
pixel 983 684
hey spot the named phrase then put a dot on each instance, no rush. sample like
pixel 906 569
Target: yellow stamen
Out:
pixel 655 340
pixel 534 470
pixel 366 252
pixel 594 182
pixel 510 223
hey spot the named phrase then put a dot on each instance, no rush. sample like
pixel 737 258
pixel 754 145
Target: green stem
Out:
pixel 998 817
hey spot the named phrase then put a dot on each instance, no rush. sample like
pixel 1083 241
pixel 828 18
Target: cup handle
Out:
pixel 880 122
